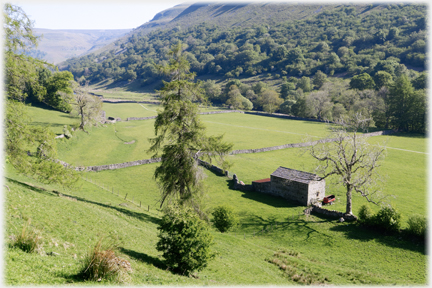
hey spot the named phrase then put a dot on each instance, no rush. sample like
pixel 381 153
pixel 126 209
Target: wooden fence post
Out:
pixel 126 196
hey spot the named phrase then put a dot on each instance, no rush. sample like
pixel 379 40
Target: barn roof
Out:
pixel 262 180
pixel 295 175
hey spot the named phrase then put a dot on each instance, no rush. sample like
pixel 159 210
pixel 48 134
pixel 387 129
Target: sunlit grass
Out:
pixel 339 252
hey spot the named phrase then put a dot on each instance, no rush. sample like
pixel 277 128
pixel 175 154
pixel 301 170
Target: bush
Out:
pixel 365 214
pixel 224 218
pixel 184 240
pixel 417 225
pixel 102 263
pixel 28 240
pixel 388 218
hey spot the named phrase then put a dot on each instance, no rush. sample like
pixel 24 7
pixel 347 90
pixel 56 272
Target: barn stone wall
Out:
pixel 316 191
pixel 263 187
pixel 289 190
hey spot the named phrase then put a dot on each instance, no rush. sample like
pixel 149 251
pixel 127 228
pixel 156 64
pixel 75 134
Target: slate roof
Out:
pixel 295 175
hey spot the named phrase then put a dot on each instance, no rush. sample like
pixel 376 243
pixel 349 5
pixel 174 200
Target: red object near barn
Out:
pixel 329 199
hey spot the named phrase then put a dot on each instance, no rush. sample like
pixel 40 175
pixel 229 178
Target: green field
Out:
pixel 245 131
pixel 342 253
pixel 126 110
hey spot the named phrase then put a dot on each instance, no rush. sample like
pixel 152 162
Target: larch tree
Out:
pixel 347 156
pixel 180 136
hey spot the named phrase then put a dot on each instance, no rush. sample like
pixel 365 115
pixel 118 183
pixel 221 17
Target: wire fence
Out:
pixel 117 193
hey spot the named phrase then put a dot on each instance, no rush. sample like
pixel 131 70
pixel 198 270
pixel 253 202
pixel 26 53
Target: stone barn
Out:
pixel 299 186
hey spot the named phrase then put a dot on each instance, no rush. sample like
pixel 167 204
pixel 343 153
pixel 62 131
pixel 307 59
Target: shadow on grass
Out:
pixel 144 258
pixel 36 123
pixel 40 105
pixel 274 201
pixel 30 186
pixel 74 278
pixel 137 215
pixel 408 135
pixel 267 199
pixel 365 234
pixel 294 222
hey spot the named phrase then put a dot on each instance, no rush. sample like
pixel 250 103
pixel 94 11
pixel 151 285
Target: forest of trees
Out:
pixel 337 41
pixel 375 52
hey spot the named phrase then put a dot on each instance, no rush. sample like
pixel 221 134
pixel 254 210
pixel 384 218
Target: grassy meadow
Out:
pixel 325 250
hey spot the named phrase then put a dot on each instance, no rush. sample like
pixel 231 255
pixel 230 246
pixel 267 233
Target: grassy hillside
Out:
pixel 55 46
pixel 324 250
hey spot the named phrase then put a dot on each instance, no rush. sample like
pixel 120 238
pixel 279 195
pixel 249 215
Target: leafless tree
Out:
pixel 347 155
pixel 88 107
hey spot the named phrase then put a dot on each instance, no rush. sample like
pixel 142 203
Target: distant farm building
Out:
pixel 302 187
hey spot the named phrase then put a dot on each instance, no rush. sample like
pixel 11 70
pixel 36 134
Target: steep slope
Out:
pixel 56 46
pixel 229 40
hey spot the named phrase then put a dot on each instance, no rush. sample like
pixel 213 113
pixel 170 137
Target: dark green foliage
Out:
pixel 300 107
pixel 184 240
pixel 59 91
pixel 420 82
pixel 286 107
pixel 180 134
pixel 388 219
pixel 365 214
pixel 290 45
pixel 305 84
pixel 382 78
pixel 362 82
pixel 224 218
pixel 417 225
pixel 319 79
pixel 286 88
pixel 407 107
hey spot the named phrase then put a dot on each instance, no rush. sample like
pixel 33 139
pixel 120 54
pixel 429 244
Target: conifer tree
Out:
pixel 180 135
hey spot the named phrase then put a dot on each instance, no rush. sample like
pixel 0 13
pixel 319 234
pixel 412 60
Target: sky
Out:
pixel 92 14
pixel 106 14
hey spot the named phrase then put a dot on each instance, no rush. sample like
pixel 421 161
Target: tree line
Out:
pixel 348 39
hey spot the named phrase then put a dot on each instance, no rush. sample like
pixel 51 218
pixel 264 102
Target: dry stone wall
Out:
pixel 284 116
pixel 304 144
pixel 140 118
pixel 202 113
pixel 212 167
pixel 329 213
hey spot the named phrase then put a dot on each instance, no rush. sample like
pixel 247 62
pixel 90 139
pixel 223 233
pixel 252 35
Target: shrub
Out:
pixel 224 218
pixel 184 240
pixel 28 240
pixel 388 218
pixel 417 225
pixel 102 263
pixel 365 214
